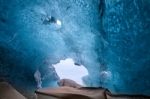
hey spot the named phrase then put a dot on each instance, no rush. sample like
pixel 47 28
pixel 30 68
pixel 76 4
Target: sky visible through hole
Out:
pixel 67 69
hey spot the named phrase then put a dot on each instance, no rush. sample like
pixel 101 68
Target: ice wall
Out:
pixel 29 43
pixel 109 37
pixel 126 24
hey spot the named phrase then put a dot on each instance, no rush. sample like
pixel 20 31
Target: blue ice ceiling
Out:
pixel 109 37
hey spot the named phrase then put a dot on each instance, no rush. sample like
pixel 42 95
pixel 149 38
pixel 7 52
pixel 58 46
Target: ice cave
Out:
pixel 96 43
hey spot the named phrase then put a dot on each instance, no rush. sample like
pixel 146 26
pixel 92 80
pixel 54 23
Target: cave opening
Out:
pixel 68 69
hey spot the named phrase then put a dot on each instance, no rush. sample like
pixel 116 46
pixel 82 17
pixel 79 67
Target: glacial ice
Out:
pixel 109 37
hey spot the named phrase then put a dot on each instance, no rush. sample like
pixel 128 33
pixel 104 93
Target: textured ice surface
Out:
pixel 109 37
pixel 27 42
pixel 127 28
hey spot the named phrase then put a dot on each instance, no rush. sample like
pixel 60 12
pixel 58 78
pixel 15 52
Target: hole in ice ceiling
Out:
pixel 52 21
pixel 67 69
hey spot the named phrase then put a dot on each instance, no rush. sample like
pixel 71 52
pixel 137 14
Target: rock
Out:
pixel 8 92
pixel 69 83
pixel 71 93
